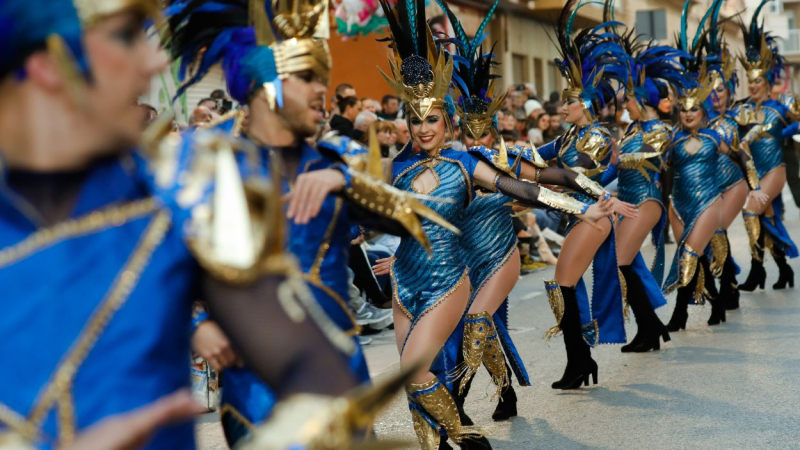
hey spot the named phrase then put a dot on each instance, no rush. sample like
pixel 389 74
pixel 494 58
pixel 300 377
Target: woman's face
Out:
pixel 122 62
pixel 543 123
pixel 431 133
pixel 572 111
pixel 486 140
pixel 387 137
pixel 632 105
pixel 509 122
pixel 720 97
pixel 692 118
pixel 759 89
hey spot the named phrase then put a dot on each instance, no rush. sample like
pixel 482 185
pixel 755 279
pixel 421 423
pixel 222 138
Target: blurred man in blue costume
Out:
pixel 99 249
pixel 276 60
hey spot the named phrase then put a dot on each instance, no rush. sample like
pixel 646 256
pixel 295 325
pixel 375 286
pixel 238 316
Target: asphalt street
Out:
pixel 730 386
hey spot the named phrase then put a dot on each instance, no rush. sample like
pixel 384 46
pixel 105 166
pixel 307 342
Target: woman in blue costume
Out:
pixel 652 68
pixel 431 293
pixel 586 147
pixel 735 187
pixel 696 208
pixel 77 204
pixel 764 122
pixel 488 237
pixel 280 69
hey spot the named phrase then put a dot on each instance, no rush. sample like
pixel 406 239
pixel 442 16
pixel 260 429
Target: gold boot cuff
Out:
pixel 719 252
pixel 477 328
pixel 687 265
pixel 437 401
pixel 556 299
pixel 753 226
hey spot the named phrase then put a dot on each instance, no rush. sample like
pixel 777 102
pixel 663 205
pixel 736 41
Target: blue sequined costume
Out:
pixel 602 316
pixel 420 282
pixel 728 173
pixel 692 193
pixel 122 248
pixel 638 188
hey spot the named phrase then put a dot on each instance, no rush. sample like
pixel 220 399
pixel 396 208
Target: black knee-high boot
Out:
pixel 710 287
pixel 579 355
pixel 757 276
pixel 507 404
pixel 728 289
pixel 681 312
pixel 786 274
pixel 650 329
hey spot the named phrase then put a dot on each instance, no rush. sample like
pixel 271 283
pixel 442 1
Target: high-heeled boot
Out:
pixel 507 404
pixel 688 273
pixel 650 329
pixel 728 289
pixel 711 293
pixel 786 274
pixel 437 402
pixel 757 276
pixel 579 356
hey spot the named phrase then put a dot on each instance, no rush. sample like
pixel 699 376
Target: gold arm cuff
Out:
pixel 387 201
pixel 752 174
pixel 589 185
pixel 561 202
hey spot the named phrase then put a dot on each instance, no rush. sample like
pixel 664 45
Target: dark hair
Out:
pixel 386 98
pixel 554 97
pixel 344 102
pixel 550 110
pixel 207 99
pixel 341 88
pixel 217 94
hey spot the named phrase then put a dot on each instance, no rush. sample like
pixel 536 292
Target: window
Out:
pixel 520 70
pixel 652 24
pixel 776 6
pixel 556 79
pixel 538 77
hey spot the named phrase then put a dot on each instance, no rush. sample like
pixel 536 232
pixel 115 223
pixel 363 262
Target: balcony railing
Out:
pixel 790 45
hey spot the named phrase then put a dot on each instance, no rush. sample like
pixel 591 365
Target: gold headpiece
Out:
pixel 696 96
pixel 297 35
pixel 478 121
pixel 760 67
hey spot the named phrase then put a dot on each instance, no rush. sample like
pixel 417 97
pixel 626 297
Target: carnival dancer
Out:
pixel 586 61
pixel 115 242
pixel 764 122
pixel 431 294
pixel 488 237
pixel 735 187
pixel 280 67
pixel 696 208
pixel 651 69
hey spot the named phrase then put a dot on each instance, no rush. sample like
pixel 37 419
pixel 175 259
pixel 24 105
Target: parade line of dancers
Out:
pixel 103 249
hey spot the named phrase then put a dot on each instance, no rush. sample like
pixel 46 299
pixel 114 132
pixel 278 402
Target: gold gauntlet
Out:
pixel 561 202
pixel 756 133
pixel 752 174
pixel 387 201
pixel 590 186
pixel 639 161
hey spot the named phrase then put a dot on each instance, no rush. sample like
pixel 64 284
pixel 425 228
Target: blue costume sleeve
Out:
pixel 790 130
pixel 609 175
pixel 550 150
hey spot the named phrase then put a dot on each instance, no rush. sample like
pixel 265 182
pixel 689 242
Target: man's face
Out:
pixel 403 135
pixel 391 106
pixel 122 62
pixel 369 105
pixel 202 115
pixel 303 102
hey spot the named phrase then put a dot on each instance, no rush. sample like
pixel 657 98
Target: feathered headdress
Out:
pixel 27 26
pixel 589 61
pixel 761 58
pixel 420 73
pixel 477 104
pixel 719 61
pixel 651 67
pixel 700 83
pixel 259 43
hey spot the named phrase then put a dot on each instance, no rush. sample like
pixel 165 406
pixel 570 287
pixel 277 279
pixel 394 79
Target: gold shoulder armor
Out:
pixel 659 137
pixel 596 143
pixel 639 161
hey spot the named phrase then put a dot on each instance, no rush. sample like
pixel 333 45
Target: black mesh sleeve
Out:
pixel 291 357
pixel 562 177
pixel 518 190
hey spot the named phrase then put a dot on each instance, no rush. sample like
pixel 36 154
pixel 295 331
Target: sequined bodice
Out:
pixel 634 186
pixel 767 151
